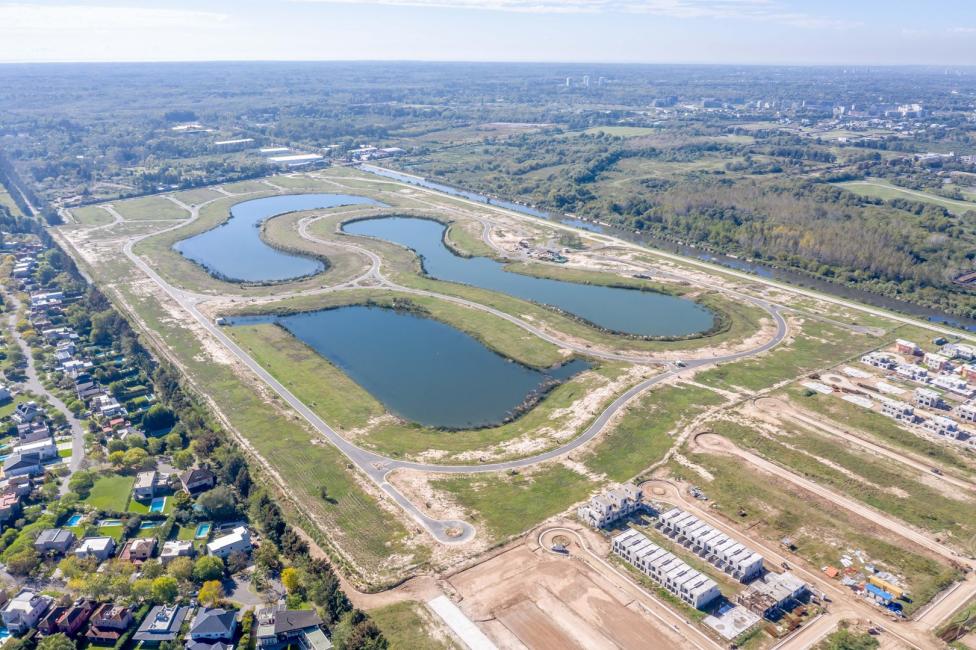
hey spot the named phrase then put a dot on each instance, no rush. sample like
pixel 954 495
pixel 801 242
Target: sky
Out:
pixel 841 32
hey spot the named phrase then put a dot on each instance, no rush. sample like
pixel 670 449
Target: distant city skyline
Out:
pixel 785 32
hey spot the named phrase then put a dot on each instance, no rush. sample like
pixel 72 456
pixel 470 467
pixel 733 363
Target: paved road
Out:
pixel 34 385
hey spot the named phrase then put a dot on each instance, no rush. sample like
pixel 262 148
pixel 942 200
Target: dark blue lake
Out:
pixel 419 368
pixel 234 250
pixel 630 311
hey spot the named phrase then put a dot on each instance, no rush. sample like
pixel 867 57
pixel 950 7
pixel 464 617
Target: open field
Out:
pixel 622 131
pixel 507 504
pixel 643 434
pixel 149 207
pixel 822 532
pixel 881 189
pixel 8 202
pixel 908 495
pixel 411 625
pixel 91 215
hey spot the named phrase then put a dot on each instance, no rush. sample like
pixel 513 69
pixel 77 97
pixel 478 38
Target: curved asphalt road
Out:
pixel 378 467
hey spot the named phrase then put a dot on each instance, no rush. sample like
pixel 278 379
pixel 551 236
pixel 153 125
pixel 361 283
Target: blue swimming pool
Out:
pixel 149 524
pixel 157 504
pixel 202 530
pixel 73 521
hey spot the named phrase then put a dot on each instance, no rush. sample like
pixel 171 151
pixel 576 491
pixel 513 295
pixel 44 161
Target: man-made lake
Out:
pixel 234 250
pixel 645 239
pixel 419 368
pixel 645 313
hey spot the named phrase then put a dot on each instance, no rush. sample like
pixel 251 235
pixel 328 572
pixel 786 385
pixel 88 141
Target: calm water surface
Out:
pixel 234 250
pixel 420 369
pixel 621 310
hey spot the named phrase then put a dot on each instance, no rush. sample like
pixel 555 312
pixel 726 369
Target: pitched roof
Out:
pixel 214 621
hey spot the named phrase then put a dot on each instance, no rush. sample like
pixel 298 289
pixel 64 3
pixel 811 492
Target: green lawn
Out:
pixel 508 504
pixel 149 207
pixel 91 215
pixel 142 507
pixel 407 625
pixel 818 345
pixel 110 492
pixel 641 436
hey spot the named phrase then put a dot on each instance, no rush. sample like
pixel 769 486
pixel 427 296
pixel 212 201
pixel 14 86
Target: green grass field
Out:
pixel 816 346
pixel 149 208
pixel 641 437
pixel 110 492
pixel 197 196
pixel 409 625
pixel 880 189
pixel 8 202
pixel 91 215
pixel 508 504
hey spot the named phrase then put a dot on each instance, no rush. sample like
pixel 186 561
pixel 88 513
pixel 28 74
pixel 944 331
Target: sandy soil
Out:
pixel 526 599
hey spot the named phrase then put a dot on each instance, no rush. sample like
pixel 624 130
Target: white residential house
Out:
pixel 100 548
pixel 928 398
pixel 665 568
pixel 937 362
pixel 610 506
pixel 238 540
pixel 738 560
pixel 898 410
pixel 145 485
pixel 966 412
pixel 24 610
pixel 174 549
pixel 45 449
pixel 942 426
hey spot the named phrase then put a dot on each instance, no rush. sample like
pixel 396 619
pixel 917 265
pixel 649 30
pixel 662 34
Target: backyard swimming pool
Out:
pixel 73 521
pixel 157 504
pixel 202 530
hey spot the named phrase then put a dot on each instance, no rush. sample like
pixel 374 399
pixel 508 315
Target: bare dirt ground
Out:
pixel 531 599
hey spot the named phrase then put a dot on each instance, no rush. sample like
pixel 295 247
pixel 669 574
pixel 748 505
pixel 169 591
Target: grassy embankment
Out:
pixel 410 625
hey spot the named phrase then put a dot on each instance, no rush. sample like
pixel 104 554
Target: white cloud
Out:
pixel 23 18
pixel 963 30
pixel 765 10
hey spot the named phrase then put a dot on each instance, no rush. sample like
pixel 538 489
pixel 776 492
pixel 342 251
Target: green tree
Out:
pixel 211 593
pixel 157 417
pixel 57 641
pixel 291 578
pixel 208 567
pixel 218 503
pixel 181 568
pixel 165 589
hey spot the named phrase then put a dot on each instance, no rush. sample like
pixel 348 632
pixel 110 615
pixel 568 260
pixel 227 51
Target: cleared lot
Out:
pixel 525 598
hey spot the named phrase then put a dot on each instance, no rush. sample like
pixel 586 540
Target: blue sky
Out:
pixel 939 32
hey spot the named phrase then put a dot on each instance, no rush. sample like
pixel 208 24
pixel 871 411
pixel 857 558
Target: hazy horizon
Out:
pixel 692 32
